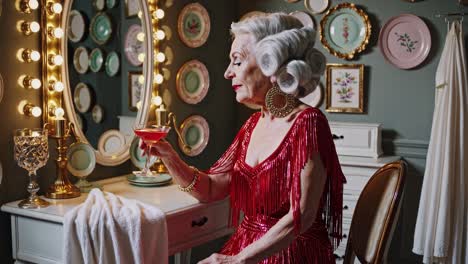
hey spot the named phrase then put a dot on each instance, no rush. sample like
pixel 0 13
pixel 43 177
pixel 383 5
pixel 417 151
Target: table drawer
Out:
pixel 194 225
pixel 357 139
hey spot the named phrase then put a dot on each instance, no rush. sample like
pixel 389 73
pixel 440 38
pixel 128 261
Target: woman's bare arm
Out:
pixel 208 188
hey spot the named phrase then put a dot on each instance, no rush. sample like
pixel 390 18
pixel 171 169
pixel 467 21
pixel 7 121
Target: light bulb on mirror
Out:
pixel 29 55
pixel 55 32
pixel 56 86
pixel 158 78
pixel 141 57
pixel 160 35
pixel 59 112
pixel 28 109
pixel 29 27
pixel 156 100
pixel 26 6
pixel 141 36
pixel 55 59
pixel 31 82
pixel 158 14
pixel 160 57
pixel 54 8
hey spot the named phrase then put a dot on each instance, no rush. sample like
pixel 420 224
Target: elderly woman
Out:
pixel 282 170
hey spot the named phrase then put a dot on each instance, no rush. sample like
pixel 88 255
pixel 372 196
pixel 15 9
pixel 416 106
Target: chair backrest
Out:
pixel 376 214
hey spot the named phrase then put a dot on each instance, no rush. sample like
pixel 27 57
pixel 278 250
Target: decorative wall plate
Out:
pixel 193 25
pixel 97 113
pixel 112 63
pixel 111 3
pixel 196 133
pixel 96 59
pixel 81 159
pixel 99 4
pixel 133 47
pixel 405 41
pixel 100 28
pixel 81 60
pixel 345 30
pixel 315 98
pixel 136 154
pixel 253 14
pixel 82 97
pixel 304 17
pixel 192 82
pixel 316 6
pixel 76 26
pixel 145 181
pixel 111 142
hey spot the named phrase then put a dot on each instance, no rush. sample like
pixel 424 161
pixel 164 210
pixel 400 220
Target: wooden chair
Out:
pixel 376 214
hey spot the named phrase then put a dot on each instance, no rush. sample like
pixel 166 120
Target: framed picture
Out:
pixel 135 89
pixel 131 8
pixel 345 92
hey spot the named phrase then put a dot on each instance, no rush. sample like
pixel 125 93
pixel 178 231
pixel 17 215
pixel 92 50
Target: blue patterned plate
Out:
pixel 96 59
pixel 112 63
pixel 100 28
pixel 196 133
pixel 81 159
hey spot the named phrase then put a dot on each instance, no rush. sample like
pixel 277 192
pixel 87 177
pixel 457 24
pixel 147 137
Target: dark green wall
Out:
pixel 401 100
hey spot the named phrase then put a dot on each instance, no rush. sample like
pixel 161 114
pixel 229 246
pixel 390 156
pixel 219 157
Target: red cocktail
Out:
pixel 150 135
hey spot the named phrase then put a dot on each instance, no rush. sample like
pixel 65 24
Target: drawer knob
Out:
pixel 200 222
pixel 345 236
pixel 345 207
pixel 335 137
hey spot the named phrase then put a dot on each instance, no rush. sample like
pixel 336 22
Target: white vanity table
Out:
pixel 37 235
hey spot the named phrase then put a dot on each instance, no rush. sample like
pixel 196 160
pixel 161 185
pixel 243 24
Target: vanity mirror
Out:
pixel 107 77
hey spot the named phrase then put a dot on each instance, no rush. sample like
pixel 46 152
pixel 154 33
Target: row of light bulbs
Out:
pixel 28 55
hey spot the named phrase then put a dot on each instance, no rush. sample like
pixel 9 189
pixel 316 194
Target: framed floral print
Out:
pixel 135 89
pixel 345 91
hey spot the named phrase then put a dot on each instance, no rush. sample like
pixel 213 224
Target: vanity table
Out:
pixel 37 235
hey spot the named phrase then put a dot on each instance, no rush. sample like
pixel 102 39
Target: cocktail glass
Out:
pixel 31 151
pixel 150 135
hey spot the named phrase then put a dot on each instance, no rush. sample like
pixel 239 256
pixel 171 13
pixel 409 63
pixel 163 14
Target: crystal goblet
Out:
pixel 31 151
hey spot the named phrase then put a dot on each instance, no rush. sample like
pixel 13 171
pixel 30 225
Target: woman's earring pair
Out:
pixel 278 103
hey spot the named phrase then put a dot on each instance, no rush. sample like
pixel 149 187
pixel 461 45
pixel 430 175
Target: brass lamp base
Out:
pixel 62 191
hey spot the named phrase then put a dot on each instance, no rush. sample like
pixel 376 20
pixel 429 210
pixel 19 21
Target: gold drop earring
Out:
pixel 271 102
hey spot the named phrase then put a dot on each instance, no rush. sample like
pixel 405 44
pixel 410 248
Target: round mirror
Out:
pixel 108 59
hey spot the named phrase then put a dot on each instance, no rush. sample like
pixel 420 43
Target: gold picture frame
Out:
pixel 345 30
pixel 135 88
pixel 345 88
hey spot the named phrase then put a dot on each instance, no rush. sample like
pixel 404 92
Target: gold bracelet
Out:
pixel 191 186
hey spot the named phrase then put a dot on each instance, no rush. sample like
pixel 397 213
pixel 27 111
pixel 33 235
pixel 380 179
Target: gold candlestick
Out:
pixel 62 188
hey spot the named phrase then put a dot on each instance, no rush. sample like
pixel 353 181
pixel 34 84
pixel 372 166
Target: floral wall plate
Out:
pixel 96 59
pixel 133 47
pixel 76 26
pixel 193 25
pixel 97 113
pixel 316 6
pixel 196 133
pixel 345 30
pixel 100 28
pixel 82 97
pixel 99 4
pixel 304 17
pixel 192 82
pixel 81 159
pixel 405 41
pixel 81 60
pixel 136 154
pixel 112 63
pixel 111 142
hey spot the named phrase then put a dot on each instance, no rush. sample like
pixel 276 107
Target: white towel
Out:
pixel 111 229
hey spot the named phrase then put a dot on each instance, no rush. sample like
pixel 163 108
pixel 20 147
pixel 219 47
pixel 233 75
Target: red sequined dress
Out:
pixel 263 192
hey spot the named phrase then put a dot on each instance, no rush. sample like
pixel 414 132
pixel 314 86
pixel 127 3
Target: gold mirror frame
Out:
pixel 143 113
pixel 361 47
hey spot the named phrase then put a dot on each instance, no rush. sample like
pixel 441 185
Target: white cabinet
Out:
pixel 37 235
pixel 359 150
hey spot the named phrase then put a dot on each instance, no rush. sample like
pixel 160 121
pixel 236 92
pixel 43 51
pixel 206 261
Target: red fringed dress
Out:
pixel 263 193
